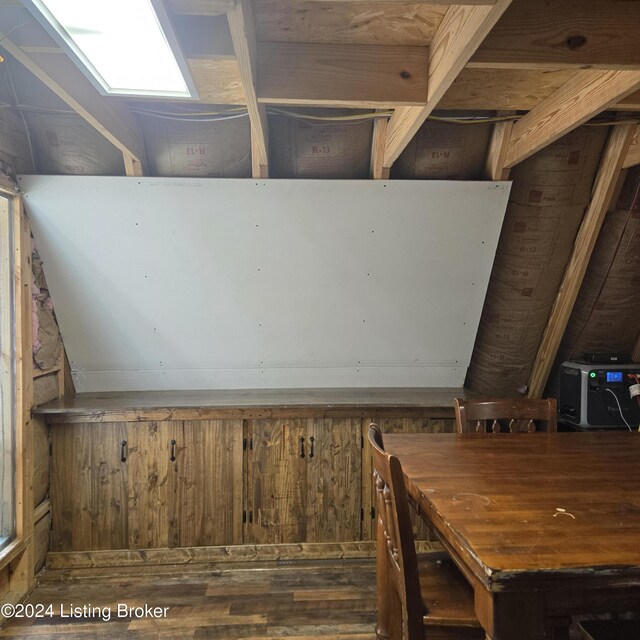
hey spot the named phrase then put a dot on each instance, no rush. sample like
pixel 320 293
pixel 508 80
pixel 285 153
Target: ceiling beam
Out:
pixel 633 155
pixel 603 190
pixel 553 33
pixel 111 119
pixel 458 36
pixel 584 96
pixel 243 35
pixel 354 76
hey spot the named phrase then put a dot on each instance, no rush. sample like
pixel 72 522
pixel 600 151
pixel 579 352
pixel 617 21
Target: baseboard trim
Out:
pixel 236 553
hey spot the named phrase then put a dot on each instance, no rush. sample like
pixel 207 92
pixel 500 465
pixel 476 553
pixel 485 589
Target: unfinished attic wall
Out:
pixel 307 149
pixel 549 196
pixel 49 365
pixel 188 148
pixel 445 151
pixel 60 140
pixel 606 315
pixel 15 156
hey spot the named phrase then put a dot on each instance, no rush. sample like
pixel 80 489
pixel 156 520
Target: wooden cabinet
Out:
pixel 303 480
pixel 250 467
pixel 146 485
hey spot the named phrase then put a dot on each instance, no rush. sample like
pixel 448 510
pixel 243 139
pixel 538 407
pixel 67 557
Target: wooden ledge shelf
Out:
pixel 251 404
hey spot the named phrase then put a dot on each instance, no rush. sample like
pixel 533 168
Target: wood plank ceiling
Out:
pixel 547 66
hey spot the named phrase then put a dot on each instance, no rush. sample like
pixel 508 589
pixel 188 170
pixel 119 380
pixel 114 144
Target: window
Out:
pixel 7 376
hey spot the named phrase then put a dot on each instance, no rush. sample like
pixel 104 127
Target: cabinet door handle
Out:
pixel 301 447
pixel 173 451
pixel 311 440
pixel 123 451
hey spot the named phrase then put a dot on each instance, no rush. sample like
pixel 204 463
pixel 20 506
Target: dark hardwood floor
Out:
pixel 305 600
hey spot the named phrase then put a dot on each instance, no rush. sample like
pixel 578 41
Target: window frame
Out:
pixel 22 387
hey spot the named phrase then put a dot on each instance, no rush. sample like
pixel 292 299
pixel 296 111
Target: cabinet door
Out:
pixel 276 481
pixel 208 498
pixel 185 483
pixel 334 496
pixel 88 487
pixel 303 481
pixel 151 485
pixel 397 425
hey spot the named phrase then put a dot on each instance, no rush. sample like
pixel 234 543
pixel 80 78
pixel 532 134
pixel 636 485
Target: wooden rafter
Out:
pixel 378 171
pixel 635 354
pixel 495 168
pixel 458 36
pixel 244 42
pixel 603 190
pixel 633 155
pixel 587 94
pixel 112 120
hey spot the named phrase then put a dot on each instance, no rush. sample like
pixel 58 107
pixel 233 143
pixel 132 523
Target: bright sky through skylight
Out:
pixel 124 42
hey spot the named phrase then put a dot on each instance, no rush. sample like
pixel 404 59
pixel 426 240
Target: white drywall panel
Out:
pixel 192 284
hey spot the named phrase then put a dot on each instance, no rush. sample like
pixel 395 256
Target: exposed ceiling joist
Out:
pixel 633 155
pixel 603 190
pixel 352 76
pixel 495 168
pixel 458 36
pixel 587 94
pixel 243 36
pixel 111 119
pixel 554 33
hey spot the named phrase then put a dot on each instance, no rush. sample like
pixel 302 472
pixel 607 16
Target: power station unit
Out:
pixel 599 395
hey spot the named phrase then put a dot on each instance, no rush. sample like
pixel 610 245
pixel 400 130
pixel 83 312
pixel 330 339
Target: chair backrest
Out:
pixel 506 414
pixel 394 527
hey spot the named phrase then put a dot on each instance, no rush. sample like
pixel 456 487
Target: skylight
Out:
pixel 127 46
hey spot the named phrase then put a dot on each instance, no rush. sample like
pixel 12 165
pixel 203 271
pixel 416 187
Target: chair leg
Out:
pixel 383 631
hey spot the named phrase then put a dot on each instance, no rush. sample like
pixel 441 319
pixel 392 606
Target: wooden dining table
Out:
pixel 543 526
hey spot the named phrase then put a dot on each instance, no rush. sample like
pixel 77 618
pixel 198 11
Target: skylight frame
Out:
pixel 59 34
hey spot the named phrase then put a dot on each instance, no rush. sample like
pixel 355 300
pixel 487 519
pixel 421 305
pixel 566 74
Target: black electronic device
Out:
pixel 599 395
pixel 608 358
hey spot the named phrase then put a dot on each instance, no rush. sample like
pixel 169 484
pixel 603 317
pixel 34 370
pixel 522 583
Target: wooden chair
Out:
pixel 506 414
pixel 429 598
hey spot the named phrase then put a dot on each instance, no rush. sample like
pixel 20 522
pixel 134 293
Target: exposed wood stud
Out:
pixel 603 190
pixel 633 155
pixel 495 166
pixel 584 96
pixel 241 24
pixel 378 171
pixel 459 35
pixel 132 166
